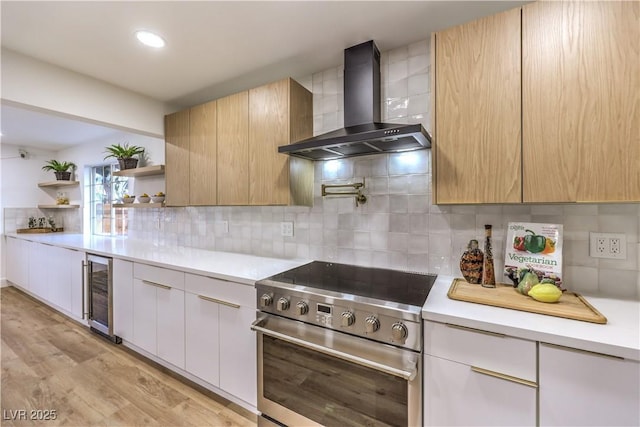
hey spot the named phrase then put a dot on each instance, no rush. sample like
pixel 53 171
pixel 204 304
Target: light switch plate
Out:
pixel 608 245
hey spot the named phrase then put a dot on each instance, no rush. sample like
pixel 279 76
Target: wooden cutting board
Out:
pixel 39 230
pixel 570 306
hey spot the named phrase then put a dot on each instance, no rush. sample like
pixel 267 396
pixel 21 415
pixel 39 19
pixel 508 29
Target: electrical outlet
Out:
pixel 608 245
pixel 286 228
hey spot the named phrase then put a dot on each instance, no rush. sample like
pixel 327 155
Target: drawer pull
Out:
pixel 480 331
pixel 157 285
pixel 504 377
pixel 218 301
pixel 578 350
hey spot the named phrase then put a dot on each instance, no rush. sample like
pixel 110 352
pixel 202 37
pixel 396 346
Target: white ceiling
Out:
pixel 215 48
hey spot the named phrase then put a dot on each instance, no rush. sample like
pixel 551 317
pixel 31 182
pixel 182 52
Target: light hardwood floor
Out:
pixel 50 363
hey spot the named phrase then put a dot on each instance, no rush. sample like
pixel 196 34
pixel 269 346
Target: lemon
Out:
pixel 545 292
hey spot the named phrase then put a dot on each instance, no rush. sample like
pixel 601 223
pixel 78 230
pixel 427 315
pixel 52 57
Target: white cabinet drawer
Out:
pixel 221 290
pixel 485 350
pixel 158 275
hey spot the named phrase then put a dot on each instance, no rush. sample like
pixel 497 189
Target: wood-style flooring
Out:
pixel 50 363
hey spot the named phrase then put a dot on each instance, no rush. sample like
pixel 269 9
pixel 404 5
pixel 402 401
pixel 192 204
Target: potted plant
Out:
pixel 124 153
pixel 61 169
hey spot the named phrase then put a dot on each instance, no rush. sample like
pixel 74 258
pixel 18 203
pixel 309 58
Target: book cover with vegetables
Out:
pixel 533 254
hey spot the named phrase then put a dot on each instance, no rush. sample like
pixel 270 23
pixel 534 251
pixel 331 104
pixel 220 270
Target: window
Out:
pixel 104 191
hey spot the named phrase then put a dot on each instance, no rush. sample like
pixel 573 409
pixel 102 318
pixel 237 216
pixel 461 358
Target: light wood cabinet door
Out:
pixel 203 148
pixel 176 172
pixel 268 129
pixel 581 92
pixel 579 388
pixel 233 149
pixel 477 145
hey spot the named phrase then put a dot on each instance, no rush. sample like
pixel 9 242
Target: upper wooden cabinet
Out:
pixel 564 128
pixel 176 171
pixel 477 111
pixel 233 149
pixel 279 113
pixel 202 154
pixel 225 152
pixel 581 97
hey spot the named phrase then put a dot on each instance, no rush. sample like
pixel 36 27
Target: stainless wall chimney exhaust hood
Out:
pixel 363 133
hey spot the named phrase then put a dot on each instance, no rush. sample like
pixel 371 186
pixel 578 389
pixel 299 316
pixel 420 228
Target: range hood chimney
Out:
pixel 363 132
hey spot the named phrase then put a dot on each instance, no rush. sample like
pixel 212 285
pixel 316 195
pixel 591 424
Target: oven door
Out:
pixel 308 375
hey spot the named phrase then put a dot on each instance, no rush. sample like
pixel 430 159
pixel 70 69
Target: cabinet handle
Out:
pixel 577 350
pixel 217 301
pixel 480 331
pixel 157 285
pixel 504 377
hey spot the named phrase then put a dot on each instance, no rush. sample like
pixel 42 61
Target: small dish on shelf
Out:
pixel 128 199
pixel 157 199
pixel 144 199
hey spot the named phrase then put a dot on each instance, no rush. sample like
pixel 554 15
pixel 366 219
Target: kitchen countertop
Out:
pixel 241 268
pixel 619 337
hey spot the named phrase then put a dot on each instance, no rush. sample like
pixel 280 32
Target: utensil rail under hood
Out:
pixel 363 132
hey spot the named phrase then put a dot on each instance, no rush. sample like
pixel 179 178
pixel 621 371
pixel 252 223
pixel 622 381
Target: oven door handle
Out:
pixel 405 374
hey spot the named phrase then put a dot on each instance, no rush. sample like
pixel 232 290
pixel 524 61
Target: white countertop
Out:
pixel 619 337
pixel 235 267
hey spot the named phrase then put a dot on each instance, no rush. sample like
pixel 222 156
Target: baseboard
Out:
pixel 4 283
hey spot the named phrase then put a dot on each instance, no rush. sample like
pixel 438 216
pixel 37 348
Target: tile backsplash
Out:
pixel 398 227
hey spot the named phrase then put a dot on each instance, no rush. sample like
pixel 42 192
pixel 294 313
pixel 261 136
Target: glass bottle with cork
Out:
pixel 488 272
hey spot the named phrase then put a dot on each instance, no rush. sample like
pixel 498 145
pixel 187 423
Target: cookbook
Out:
pixel 535 247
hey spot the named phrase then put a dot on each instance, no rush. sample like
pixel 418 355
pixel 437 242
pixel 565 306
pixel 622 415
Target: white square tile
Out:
pixel 418 64
pixel 618 283
pixel 419 223
pixel 418 204
pixel 396 55
pixel 398 242
pixel 398 89
pixel 418 84
pixel 410 162
pixel 440 244
pixel 361 240
pixel 399 223
pixel 418 244
pixel 398 204
pixel 420 48
pixel 418 106
pixel 399 184
pixel 379 240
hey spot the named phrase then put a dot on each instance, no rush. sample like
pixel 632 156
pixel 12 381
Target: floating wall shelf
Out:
pixel 58 206
pixel 138 205
pixel 55 184
pixel 145 171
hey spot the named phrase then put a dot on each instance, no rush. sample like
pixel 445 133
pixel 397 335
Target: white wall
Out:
pixel 28 81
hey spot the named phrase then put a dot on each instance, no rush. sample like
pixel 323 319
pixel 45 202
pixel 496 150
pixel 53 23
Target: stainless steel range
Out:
pixel 340 345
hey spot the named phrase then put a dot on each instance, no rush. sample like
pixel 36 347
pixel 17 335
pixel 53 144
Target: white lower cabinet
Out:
pixel 17 262
pixel 238 374
pixel 202 338
pixel 123 299
pixel 53 274
pixel 473 378
pixel 158 312
pixel 579 388
pixel 220 346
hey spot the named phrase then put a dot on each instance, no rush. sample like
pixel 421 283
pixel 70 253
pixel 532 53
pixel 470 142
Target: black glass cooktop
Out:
pixel 377 283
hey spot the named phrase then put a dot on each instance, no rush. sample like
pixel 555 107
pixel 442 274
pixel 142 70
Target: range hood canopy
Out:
pixel 363 132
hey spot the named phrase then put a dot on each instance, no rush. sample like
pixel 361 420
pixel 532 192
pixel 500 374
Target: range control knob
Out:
pixel 302 308
pixel 371 324
pixel 266 300
pixel 283 304
pixel 348 319
pixel 399 331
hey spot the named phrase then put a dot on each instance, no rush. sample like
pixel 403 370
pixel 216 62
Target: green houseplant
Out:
pixel 60 169
pixel 124 153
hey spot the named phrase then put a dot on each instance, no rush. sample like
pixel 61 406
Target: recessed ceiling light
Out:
pixel 150 39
